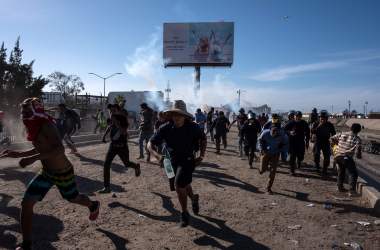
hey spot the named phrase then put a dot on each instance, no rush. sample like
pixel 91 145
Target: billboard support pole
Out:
pixel 197 80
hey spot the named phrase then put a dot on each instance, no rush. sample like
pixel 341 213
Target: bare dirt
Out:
pixel 142 213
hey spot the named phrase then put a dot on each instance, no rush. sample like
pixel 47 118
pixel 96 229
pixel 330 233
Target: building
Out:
pixel 133 99
pixel 260 109
pixel 52 98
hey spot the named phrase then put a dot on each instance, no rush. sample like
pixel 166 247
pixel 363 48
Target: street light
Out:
pixel 104 83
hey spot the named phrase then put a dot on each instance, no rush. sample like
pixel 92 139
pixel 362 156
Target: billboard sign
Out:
pixel 198 44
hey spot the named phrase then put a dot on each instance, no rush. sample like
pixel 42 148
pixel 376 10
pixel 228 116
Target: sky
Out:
pixel 325 53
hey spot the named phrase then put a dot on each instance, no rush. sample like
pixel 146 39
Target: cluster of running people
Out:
pixel 178 139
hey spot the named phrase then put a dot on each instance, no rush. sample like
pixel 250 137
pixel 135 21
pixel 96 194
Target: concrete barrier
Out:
pixel 373 124
pixel 369 194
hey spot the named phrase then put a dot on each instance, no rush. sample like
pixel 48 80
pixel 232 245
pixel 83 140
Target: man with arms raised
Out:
pixel 56 168
pixel 182 138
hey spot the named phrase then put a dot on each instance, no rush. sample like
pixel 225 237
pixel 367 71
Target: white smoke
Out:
pixel 146 63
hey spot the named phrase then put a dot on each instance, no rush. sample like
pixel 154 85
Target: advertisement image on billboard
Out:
pixel 198 44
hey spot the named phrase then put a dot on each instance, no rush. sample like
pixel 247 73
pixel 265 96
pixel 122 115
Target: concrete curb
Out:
pixel 369 194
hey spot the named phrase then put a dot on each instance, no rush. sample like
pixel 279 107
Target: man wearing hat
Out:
pixel 240 119
pixel 221 126
pixel 272 142
pixel 299 135
pixel 182 138
pixel 249 131
pixel 321 132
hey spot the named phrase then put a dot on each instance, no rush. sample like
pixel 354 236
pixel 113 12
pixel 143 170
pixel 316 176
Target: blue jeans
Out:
pixel 144 136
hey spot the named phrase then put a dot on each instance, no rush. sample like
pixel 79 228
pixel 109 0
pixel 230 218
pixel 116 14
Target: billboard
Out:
pixel 198 44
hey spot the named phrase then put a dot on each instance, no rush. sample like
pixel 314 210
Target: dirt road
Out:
pixel 143 214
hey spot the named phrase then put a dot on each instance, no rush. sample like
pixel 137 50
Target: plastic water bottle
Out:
pixel 168 164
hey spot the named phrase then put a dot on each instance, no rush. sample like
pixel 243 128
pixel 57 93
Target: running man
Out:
pixel 146 129
pixel 221 126
pixel 272 142
pixel 118 146
pixel 249 132
pixel 183 139
pixel 321 133
pixel 56 168
pixel 68 124
pixel 200 119
pixel 210 120
pixel 299 135
pixel 240 119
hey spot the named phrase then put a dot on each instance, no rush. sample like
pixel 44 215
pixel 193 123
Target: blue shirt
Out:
pixel 200 119
pixel 273 145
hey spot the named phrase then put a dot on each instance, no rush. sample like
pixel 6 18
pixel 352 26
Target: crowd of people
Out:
pixel 177 139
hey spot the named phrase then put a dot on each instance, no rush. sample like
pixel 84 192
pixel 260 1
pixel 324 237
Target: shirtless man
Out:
pixel 56 168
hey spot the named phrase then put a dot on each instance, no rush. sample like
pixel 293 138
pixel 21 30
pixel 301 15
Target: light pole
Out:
pixel 104 84
pixel 349 108
pixel 239 93
pixel 366 109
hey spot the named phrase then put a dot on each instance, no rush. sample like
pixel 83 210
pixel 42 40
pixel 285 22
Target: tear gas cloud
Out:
pixel 146 63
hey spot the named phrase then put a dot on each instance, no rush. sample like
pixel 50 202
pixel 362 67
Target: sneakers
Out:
pixel 140 157
pixel 195 204
pixel 137 170
pixel 353 193
pixel 25 245
pixel 105 190
pixel 342 190
pixel 269 191
pixel 94 210
pixel 185 218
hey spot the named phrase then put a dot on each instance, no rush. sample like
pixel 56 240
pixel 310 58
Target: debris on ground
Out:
pixel 364 223
pixel 354 245
pixel 341 198
pixel 295 227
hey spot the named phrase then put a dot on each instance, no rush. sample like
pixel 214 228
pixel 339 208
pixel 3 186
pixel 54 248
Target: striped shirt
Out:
pixel 348 144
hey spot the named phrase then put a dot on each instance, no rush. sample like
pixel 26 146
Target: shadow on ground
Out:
pixel 204 224
pixel 43 236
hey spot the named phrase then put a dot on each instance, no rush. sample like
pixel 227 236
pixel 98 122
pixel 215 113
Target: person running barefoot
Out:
pixel 183 138
pixel 118 146
pixel 56 168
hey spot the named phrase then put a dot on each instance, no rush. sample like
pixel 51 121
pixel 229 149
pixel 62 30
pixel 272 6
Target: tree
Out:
pixel 16 79
pixel 69 85
pixel 118 99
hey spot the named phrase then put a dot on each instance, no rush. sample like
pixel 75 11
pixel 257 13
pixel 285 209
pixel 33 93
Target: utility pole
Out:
pixel 104 85
pixel 349 108
pixel 366 109
pixel 239 93
pixel 197 81
pixel 167 91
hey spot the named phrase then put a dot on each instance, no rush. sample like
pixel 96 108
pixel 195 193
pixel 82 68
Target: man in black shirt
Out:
pixel 249 132
pixel 321 133
pixel 146 129
pixel 299 134
pixel 118 146
pixel 240 119
pixel 182 138
pixel 221 126
pixel 209 121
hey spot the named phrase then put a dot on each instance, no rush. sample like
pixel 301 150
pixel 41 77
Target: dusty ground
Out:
pixel 235 212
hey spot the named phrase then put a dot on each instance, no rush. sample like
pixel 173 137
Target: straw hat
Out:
pixel 179 107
